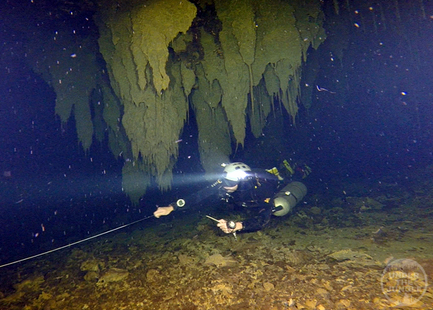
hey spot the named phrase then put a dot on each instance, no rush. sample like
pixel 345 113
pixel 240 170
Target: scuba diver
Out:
pixel 261 192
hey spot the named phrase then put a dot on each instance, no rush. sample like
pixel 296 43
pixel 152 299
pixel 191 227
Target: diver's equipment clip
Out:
pixel 230 225
pixel 234 235
pixel 288 167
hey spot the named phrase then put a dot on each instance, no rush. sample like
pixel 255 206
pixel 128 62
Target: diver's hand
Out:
pixel 222 224
pixel 163 211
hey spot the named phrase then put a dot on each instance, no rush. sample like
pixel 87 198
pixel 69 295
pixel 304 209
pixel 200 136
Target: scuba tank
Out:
pixel 288 197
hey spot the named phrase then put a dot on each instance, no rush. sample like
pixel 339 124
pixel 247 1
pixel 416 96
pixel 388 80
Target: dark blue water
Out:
pixel 370 120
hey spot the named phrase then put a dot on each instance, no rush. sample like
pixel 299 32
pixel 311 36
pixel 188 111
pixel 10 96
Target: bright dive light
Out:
pixel 235 172
pixel 236 175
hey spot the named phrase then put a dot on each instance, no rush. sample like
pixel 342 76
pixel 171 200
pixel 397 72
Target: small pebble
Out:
pixel 311 304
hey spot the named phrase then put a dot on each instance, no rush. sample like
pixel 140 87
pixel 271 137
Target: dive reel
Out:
pixel 231 224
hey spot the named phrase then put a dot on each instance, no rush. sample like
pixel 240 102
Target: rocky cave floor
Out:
pixel 331 253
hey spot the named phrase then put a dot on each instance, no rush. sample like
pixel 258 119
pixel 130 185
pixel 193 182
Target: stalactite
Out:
pixel 382 16
pixel 336 7
pixel 397 11
pixel 348 6
pixel 152 89
pixel 156 63
pixel 423 15
pixel 373 16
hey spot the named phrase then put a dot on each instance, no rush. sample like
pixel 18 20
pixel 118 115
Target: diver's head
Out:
pixel 233 174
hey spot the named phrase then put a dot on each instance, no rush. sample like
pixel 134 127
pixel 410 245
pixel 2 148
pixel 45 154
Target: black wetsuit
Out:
pixel 255 193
